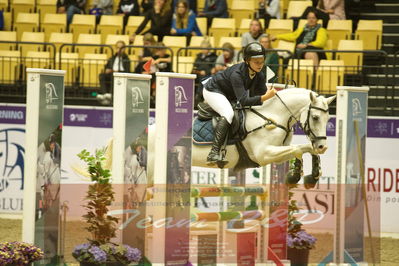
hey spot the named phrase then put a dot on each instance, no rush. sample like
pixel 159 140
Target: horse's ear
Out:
pixel 312 97
pixel 331 99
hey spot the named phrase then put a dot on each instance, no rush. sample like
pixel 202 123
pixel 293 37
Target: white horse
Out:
pixel 269 143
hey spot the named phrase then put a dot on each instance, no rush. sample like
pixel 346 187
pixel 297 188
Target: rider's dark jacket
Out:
pixel 235 84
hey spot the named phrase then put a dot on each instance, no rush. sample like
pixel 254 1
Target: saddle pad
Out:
pixel 202 132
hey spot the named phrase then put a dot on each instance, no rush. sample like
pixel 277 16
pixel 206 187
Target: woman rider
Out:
pixel 243 83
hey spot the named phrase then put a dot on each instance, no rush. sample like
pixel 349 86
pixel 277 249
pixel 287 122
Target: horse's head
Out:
pixel 314 119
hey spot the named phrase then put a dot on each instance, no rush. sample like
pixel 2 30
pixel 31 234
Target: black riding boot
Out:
pixel 221 130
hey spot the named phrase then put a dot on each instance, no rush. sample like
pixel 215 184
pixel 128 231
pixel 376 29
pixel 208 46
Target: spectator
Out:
pixel 147 53
pixel 254 34
pixel 227 58
pixel 105 6
pixel 214 9
pixel 271 60
pixel 312 36
pixel 183 22
pixel 70 7
pixel 128 8
pixel 203 65
pixel 192 5
pixel 119 62
pixel 326 10
pixel 147 5
pixel 269 9
pixel 161 18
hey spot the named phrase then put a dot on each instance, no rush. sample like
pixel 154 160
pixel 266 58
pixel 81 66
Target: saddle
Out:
pixel 204 126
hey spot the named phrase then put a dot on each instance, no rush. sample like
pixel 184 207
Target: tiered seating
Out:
pixel 133 23
pixel 222 27
pixel 196 42
pixel 296 8
pixel 202 25
pixel 3 5
pixel 242 9
pixel 235 41
pixel 112 39
pixel 69 63
pixel 339 30
pixel 22 6
pixel 7 21
pixel 370 32
pixel 61 38
pixel 35 59
pixel 88 39
pixel 301 71
pixel 82 24
pixel 26 22
pixel 175 43
pixel 53 23
pixel 46 7
pixel 352 61
pixel 8 36
pixel 31 37
pixel 330 74
pixel 280 26
pixel 110 25
pixel 92 65
pixel 186 64
pixel 9 62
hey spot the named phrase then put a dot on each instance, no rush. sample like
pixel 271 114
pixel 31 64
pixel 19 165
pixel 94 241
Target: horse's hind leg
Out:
pixel 277 154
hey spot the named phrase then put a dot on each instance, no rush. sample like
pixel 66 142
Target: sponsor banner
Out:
pixel 84 117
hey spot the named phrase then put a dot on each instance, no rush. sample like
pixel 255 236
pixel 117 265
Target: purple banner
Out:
pixel 382 128
pixel 12 114
pixel 88 117
pixel 180 109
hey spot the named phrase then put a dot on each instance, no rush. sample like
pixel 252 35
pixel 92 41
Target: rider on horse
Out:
pixel 243 83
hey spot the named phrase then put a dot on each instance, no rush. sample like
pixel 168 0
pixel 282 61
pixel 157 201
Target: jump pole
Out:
pixel 130 125
pixel 44 118
pixel 172 173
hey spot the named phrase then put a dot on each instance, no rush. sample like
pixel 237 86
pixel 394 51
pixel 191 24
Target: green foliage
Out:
pixel 100 196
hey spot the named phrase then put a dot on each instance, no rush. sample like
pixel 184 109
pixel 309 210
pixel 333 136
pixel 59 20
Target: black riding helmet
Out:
pixel 254 50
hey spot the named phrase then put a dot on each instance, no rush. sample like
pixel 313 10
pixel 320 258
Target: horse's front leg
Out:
pixel 278 154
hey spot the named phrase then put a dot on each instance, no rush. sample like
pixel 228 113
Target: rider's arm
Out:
pixel 241 94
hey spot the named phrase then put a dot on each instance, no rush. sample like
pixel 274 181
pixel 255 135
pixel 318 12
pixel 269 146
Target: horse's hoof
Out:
pixel 310 181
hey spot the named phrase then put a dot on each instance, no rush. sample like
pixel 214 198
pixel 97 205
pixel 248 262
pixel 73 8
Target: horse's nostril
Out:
pixel 321 146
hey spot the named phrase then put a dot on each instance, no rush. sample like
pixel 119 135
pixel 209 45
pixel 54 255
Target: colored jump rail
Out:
pixel 228 216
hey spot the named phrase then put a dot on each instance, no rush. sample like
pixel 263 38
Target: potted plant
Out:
pixel 19 253
pixel 100 250
pixel 299 242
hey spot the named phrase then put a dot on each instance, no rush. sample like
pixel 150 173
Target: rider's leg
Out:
pixel 222 106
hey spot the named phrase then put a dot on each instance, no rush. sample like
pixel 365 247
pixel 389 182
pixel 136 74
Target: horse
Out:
pixel 270 128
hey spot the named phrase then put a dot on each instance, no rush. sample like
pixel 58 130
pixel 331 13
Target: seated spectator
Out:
pixel 254 34
pixel 192 5
pixel 271 60
pixel 203 65
pixel 147 5
pixel 228 58
pixel 119 62
pixel 70 7
pixel 147 53
pixel 269 9
pixel 128 8
pixel 326 10
pixel 183 22
pixel 214 9
pixel 311 37
pixel 105 6
pixel 161 19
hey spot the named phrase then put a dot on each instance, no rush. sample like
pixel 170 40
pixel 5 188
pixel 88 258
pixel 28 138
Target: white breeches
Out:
pixel 219 103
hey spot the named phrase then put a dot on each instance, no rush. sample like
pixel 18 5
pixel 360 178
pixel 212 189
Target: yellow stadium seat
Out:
pixel 69 63
pixel 37 60
pixel 112 39
pixel 280 26
pixel 82 24
pixel 284 45
pixel 296 8
pixel 202 25
pixel 31 37
pixel 175 43
pixel 302 22
pixel 235 41
pixel 196 42
pixel 242 9
pixel 138 41
pixel 185 64
pixel 133 23
pixel 53 23
pixel 339 30
pixel 330 74
pixel 200 5
pixel 26 22
pixel 22 6
pixel 301 71
pixel 110 25
pixel 7 21
pixel 370 32
pixel 8 36
pixel 91 66
pixel 46 7
pixel 244 25
pixel 88 39
pixel 222 27
pixel 9 62
pixel 58 39
pixel 3 5
pixel 283 7
pixel 353 61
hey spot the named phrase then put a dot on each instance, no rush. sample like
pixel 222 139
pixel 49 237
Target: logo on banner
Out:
pixel 106 119
pixel 381 128
pixel 180 99
pixel 137 99
pixel 51 96
pixel 356 107
pixel 78 117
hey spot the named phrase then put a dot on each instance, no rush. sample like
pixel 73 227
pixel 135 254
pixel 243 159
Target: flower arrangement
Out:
pixel 19 253
pixel 297 237
pixel 100 195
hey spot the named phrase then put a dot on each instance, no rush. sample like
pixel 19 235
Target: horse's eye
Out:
pixel 315 118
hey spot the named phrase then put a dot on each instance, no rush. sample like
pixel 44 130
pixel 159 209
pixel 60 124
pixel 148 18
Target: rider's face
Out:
pixel 256 63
